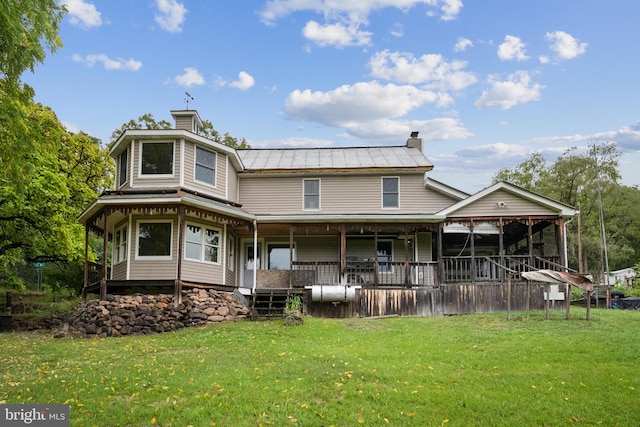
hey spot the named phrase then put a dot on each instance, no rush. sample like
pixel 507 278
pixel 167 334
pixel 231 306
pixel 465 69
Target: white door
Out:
pixel 250 264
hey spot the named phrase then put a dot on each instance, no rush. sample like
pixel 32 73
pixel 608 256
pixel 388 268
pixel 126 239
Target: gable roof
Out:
pixel 327 159
pixel 562 209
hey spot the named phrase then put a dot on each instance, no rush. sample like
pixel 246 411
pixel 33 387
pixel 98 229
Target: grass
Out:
pixel 447 371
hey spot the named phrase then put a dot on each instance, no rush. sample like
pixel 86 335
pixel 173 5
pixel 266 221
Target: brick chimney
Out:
pixel 187 120
pixel 414 141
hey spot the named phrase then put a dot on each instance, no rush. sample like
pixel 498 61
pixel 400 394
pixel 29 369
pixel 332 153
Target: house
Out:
pixel 356 231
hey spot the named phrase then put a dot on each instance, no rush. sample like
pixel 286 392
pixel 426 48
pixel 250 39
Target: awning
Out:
pixel 580 280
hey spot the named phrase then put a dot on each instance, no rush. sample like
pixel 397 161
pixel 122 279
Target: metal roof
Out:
pixel 334 158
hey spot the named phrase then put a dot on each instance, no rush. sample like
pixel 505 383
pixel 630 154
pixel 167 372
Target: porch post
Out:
pixel 343 252
pixel 407 272
pixel 105 247
pixel 440 259
pixel 291 226
pixel 530 239
pixel 376 269
pixel 474 273
pixel 85 279
pixel 177 289
pixel 501 244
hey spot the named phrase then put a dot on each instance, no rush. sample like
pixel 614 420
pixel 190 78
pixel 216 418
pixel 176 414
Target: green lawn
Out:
pixel 451 371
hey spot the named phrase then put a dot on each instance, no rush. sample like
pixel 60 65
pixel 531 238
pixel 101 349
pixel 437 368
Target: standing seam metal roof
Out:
pixel 333 158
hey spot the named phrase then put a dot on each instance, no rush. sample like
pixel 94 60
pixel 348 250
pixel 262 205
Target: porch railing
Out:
pixel 368 273
pixel 482 269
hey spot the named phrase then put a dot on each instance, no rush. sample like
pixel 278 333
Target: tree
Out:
pixel 583 180
pixel 146 121
pixel 25 25
pixel 51 176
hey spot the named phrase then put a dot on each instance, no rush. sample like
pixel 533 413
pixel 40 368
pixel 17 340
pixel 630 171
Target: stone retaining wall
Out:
pixel 120 315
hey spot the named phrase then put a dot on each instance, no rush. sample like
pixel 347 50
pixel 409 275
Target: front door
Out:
pixel 251 263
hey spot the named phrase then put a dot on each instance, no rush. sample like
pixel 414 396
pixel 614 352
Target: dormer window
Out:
pixel 157 158
pixel 205 166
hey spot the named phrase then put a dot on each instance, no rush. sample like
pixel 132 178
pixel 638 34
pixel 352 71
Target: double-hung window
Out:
pixel 156 158
pixel 311 194
pixel 205 166
pixel 120 245
pixel 123 163
pixel 390 192
pixel 202 243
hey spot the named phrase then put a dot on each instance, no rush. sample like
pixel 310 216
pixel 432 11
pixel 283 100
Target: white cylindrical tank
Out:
pixel 333 293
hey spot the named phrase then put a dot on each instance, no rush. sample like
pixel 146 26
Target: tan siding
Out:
pixel 516 206
pixel 232 183
pixel 424 247
pixel 184 122
pixel 219 189
pixel 154 269
pixel 156 182
pixel 119 271
pixel 193 271
pixel 317 248
pixel 354 194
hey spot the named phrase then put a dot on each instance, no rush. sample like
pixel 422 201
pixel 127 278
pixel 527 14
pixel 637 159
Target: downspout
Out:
pixel 255 256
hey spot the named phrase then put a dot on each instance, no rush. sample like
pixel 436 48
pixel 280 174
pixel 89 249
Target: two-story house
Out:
pixel 355 226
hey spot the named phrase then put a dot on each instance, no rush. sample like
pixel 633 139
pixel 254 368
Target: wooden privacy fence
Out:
pixel 450 299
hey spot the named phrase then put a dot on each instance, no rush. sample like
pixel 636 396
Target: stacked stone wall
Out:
pixel 121 315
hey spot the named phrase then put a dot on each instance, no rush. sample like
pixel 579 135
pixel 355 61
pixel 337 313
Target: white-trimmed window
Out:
pixel 120 245
pixel 156 159
pixel 202 243
pixel 205 168
pixel 154 239
pixel 390 192
pixel 123 166
pixel 311 188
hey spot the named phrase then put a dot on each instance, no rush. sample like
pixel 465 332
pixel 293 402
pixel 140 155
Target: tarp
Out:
pixel 628 303
pixel 582 281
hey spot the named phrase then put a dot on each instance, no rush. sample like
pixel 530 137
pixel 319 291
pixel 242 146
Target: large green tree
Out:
pixel 588 180
pixel 147 121
pixel 28 29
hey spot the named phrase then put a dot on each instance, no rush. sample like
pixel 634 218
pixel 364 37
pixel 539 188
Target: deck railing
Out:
pixel 487 268
pixel 368 273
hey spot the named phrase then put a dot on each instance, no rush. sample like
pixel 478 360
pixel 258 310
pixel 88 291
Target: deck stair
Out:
pixel 270 303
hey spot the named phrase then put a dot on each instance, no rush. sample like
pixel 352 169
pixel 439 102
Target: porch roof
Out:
pixel 174 196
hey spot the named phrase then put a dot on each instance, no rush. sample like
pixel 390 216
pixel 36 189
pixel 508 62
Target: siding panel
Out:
pixel 516 206
pixel 349 194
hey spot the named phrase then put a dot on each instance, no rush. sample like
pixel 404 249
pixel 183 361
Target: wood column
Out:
pixel 105 250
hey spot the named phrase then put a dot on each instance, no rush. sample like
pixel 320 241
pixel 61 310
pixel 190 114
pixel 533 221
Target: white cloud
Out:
pixel 276 9
pixel 338 34
pixel 244 82
pixel 431 70
pixel 293 142
pixel 83 14
pixel 371 110
pixel 439 129
pixel 363 101
pixel 191 77
pixel 108 63
pixel 543 59
pixel 512 49
pixel 171 15
pixel 517 89
pixel 462 44
pixel 565 45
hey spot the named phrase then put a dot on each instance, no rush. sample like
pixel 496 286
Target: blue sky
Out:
pixel 485 83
